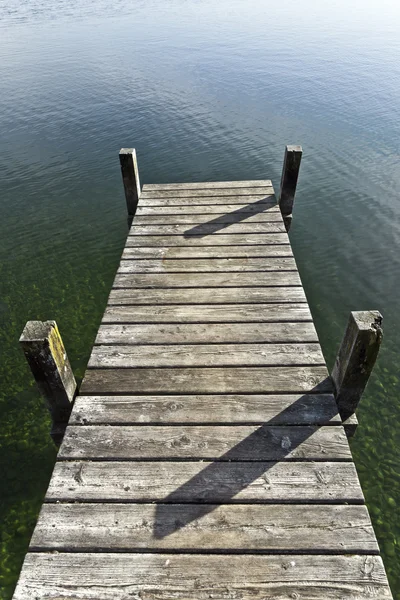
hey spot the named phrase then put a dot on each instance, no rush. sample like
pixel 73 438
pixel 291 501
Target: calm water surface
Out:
pixel 204 90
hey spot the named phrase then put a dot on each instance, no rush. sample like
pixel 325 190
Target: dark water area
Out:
pixel 204 91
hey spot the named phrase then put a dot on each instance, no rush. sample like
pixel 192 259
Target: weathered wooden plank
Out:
pixel 219 219
pixel 213 192
pixel 240 482
pixel 204 313
pixel 206 527
pixel 148 199
pixel 282 409
pixel 204 185
pixel 203 442
pixel 207 280
pixel 170 241
pixel 227 252
pixel 207 265
pixel 249 380
pixel 66 576
pixel 274 295
pixel 210 209
pixel 207 229
pixel 222 333
pixel 205 355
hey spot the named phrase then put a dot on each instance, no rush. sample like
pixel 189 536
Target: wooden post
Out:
pixel 46 356
pixel 290 174
pixel 356 358
pixel 130 177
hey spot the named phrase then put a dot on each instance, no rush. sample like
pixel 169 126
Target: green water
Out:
pixel 204 91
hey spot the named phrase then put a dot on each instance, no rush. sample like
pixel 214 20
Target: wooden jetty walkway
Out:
pixel 205 455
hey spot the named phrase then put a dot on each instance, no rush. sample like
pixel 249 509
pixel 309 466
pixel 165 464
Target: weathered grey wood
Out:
pixel 207 280
pixel 149 200
pixel 67 576
pixel 227 252
pixel 204 185
pixel 223 218
pixel 219 443
pixel 240 482
pixel 290 174
pixel 207 265
pixel 44 350
pixel 270 207
pixel 208 229
pixel 249 380
pixel 214 192
pixel 356 358
pixel 235 240
pixel 206 355
pixel 204 313
pixel 275 409
pixel 221 333
pixel 275 295
pixel 130 177
pixel 251 528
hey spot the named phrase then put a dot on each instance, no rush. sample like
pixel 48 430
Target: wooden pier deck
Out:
pixel 205 456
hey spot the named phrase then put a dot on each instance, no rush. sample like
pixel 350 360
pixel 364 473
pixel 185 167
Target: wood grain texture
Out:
pixel 153 199
pixel 227 252
pixel 256 295
pixel 196 482
pixel 274 409
pixel 196 280
pixel 202 442
pixel 171 241
pixel 66 576
pixel 208 230
pixel 191 527
pixel 218 380
pixel 217 209
pixel 239 216
pixel 211 192
pixel 204 185
pixel 207 265
pixel 222 333
pixel 205 355
pixel 204 313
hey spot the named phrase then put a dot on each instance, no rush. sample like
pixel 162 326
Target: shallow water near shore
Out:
pixel 204 91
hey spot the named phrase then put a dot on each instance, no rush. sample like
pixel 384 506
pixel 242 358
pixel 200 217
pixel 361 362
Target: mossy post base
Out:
pixel 356 358
pixel 290 174
pixel 130 177
pixel 44 350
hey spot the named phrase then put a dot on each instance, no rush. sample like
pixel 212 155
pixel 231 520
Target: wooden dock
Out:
pixel 205 456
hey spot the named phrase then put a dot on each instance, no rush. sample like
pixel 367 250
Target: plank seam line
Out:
pixel 193 460
pixel 345 501
pixel 122 322
pixel 168 394
pixel 191 287
pixel 207 245
pixel 198 551
pixel 164 260
pixel 224 366
pixel 316 423
pixel 134 344
pixel 165 272
pixel 200 235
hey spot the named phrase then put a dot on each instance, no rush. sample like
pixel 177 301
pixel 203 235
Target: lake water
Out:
pixel 204 90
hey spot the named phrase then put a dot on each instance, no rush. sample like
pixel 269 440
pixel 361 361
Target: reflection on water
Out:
pixel 204 90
